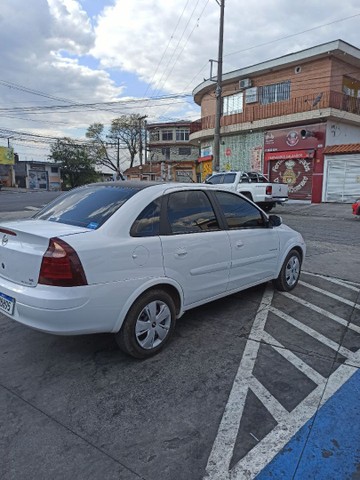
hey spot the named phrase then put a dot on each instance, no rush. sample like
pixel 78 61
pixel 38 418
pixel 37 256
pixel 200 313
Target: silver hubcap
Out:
pixel 153 324
pixel 292 271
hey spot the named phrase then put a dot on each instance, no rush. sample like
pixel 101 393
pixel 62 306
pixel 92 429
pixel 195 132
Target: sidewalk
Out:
pixel 294 207
pixel 17 190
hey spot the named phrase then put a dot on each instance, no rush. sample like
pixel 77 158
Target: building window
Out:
pixel 184 151
pixel 166 152
pixel 182 134
pixel 54 169
pixel 154 136
pixel 167 135
pixel 277 92
pixel 233 104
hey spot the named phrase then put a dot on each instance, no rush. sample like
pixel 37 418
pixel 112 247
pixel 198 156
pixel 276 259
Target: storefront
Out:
pixel 295 156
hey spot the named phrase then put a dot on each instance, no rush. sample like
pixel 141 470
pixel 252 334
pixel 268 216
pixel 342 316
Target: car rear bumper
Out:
pixel 276 199
pixel 68 310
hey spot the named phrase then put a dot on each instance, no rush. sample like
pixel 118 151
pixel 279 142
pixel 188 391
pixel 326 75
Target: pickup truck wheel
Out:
pixel 267 207
pixel 148 325
pixel 290 272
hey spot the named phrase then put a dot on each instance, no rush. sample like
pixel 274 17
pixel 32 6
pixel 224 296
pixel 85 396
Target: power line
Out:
pixel 291 35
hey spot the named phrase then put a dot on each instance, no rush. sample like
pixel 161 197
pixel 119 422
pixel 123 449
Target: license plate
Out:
pixel 7 303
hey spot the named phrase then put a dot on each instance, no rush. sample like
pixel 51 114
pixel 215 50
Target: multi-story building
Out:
pixel 169 147
pixel 296 118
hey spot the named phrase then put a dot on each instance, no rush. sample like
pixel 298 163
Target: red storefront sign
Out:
pixel 293 138
pixel 294 168
pixel 289 155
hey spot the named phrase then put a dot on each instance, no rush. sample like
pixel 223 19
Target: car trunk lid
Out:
pixel 23 245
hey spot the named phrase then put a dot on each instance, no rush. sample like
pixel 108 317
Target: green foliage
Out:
pixel 76 165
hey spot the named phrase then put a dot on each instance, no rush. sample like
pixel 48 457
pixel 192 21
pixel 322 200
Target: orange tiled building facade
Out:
pixel 285 117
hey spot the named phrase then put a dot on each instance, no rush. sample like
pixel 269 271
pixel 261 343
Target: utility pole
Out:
pixel 118 156
pixel 216 153
pixel 140 139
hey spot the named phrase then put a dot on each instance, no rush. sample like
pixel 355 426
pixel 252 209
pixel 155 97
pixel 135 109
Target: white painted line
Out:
pixel 315 376
pixel 219 460
pixel 331 295
pixel 337 281
pixel 32 208
pixel 218 466
pixel 272 405
pixel 320 310
pixel 313 333
pixel 262 454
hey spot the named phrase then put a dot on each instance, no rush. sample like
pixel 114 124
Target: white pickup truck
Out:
pixel 254 186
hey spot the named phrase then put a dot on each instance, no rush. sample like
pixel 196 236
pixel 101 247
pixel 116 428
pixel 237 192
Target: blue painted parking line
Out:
pixel 327 447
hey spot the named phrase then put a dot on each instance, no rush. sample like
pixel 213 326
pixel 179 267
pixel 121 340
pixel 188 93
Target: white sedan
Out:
pixel 132 257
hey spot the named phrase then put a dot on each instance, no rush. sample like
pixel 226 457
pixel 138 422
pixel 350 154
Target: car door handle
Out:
pixel 181 252
pixel 239 244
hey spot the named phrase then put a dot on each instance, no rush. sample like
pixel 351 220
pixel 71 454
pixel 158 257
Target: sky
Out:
pixel 66 64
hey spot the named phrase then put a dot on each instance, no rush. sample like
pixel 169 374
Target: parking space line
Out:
pixel 303 367
pixel 272 405
pixel 329 294
pixel 257 458
pixel 337 281
pixel 320 310
pixel 221 454
pixel 313 333
pixel 288 423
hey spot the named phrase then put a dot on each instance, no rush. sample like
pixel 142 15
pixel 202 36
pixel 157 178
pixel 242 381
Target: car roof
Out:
pixel 141 185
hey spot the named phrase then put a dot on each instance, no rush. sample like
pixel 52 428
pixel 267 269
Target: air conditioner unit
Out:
pixel 245 83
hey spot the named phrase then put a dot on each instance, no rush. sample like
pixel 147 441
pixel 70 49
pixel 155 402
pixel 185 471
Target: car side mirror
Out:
pixel 275 220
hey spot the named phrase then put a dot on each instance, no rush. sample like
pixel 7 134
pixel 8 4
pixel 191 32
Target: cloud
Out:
pixel 169 43
pixel 90 51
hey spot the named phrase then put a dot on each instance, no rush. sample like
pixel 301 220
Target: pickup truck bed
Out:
pixel 253 185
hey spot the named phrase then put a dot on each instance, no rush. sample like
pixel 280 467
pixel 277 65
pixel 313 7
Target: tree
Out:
pixel 77 166
pixel 124 132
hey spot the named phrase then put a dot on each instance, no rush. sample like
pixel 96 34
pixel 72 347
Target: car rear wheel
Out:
pixel 148 325
pixel 290 272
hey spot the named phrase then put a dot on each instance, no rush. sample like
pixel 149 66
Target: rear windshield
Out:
pixel 88 206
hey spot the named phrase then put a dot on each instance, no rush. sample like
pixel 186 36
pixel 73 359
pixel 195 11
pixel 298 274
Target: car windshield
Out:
pixel 88 206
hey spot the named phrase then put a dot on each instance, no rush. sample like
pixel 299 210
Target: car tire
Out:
pixel 267 207
pixel 290 272
pixel 149 324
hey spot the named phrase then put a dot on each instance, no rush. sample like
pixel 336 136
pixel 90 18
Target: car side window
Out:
pixel 147 223
pixel 239 213
pixel 215 179
pixel 229 177
pixel 190 212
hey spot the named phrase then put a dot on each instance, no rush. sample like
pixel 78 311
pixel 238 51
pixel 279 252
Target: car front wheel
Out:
pixel 290 272
pixel 148 325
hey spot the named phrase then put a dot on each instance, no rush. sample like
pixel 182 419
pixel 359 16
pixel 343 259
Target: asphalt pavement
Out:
pixel 261 385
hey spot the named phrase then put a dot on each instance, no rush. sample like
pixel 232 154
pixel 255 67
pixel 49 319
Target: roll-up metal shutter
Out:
pixel 343 178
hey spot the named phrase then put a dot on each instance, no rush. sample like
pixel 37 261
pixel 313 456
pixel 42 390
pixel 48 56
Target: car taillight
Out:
pixel 269 190
pixel 61 266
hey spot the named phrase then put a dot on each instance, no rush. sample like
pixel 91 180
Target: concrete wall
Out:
pixel 338 133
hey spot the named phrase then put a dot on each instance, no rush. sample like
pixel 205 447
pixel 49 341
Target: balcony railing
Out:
pixel 251 113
